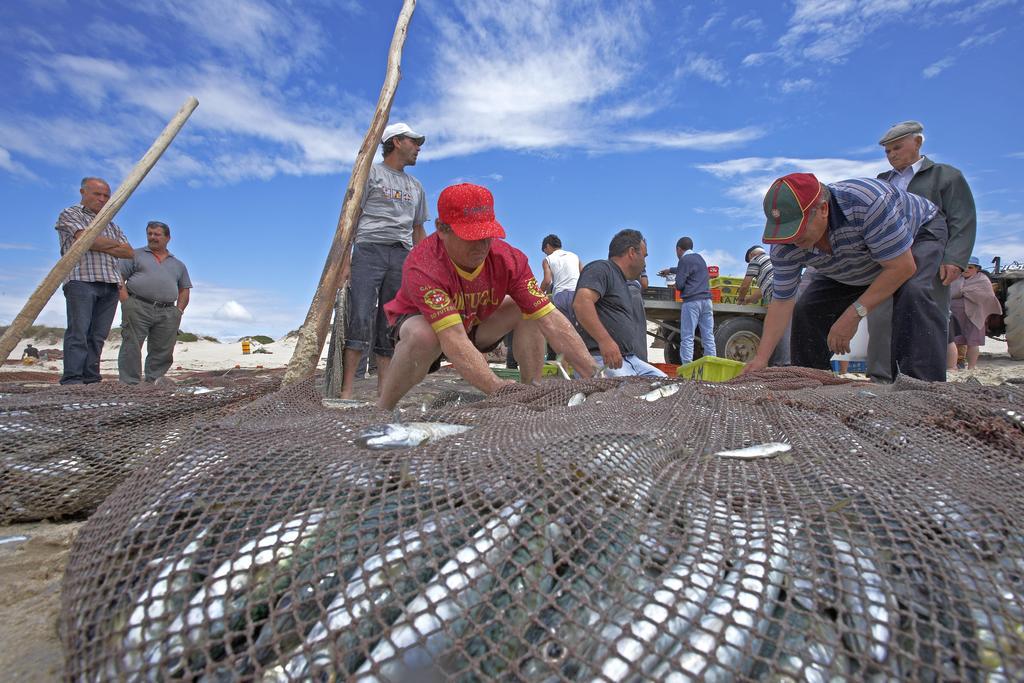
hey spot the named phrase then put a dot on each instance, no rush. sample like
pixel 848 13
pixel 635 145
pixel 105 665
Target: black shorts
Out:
pixel 394 330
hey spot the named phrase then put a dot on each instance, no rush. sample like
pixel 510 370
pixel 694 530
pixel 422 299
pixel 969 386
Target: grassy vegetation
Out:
pixel 212 339
pixel 42 333
pixel 260 338
pixel 187 337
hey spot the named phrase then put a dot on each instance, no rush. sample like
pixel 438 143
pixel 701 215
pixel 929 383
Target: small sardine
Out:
pixel 407 434
pixel 663 391
pixel 577 399
pixel 761 450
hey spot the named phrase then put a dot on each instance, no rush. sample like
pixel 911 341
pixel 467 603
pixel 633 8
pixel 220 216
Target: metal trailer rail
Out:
pixel 737 326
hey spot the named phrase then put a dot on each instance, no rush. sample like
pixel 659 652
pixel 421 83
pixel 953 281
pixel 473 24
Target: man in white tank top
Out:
pixel 561 271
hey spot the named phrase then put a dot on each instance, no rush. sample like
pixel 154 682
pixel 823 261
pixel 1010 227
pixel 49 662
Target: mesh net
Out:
pixel 63 449
pixel 586 530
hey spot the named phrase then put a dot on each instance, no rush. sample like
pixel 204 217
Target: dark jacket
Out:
pixel 945 186
pixel 692 277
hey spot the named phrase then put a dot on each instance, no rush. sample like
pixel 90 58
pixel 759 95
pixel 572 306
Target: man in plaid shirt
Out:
pixel 91 289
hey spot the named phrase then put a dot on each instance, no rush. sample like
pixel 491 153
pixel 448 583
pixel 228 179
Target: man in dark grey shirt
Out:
pixel 604 307
pixel 154 295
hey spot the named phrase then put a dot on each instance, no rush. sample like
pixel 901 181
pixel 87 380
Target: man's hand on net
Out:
pixel 755 365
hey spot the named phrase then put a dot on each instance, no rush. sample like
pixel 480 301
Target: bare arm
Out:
pixel 468 360
pixel 559 332
pixel 106 245
pixel 545 284
pixel 183 299
pixel 894 273
pixel 744 288
pixel 418 233
pixel 586 314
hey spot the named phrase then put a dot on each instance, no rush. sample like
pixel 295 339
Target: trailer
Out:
pixel 737 326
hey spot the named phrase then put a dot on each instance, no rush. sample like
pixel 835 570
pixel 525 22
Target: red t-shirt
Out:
pixel 446 295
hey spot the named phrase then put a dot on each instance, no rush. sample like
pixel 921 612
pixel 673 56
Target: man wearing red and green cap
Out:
pixel 463 289
pixel 867 240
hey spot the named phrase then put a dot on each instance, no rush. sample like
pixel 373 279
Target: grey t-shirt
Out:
pixel 615 308
pixel 393 202
pixel 156 281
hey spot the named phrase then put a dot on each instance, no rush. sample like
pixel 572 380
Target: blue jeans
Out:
pixel 632 366
pixel 692 314
pixel 375 280
pixel 91 307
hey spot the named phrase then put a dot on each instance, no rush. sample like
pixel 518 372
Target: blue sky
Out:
pixel 582 117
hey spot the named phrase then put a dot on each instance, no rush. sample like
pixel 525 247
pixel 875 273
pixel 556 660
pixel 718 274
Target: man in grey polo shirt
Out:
pixel 154 295
pixel 393 212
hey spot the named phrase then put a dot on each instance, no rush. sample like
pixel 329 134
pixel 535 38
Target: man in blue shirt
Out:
pixel 867 240
pixel 695 290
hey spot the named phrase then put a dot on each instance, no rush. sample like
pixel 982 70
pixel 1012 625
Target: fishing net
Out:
pixel 63 449
pixel 586 530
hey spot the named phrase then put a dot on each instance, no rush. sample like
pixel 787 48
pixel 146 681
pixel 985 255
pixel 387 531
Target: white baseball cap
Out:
pixel 401 129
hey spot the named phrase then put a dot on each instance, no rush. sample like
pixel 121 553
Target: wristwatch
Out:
pixel 859 307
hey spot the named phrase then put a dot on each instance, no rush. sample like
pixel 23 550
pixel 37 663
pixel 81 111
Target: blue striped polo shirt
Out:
pixel 869 221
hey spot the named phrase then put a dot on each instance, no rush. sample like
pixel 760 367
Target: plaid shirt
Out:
pixel 94 266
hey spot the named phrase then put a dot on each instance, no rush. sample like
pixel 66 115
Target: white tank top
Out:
pixel 565 270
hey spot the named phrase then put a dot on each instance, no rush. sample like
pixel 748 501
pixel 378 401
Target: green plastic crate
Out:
pixel 711 369
pixel 549 370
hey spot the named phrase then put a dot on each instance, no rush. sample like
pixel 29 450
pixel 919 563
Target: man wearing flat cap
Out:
pixel 944 186
pixel 868 240
pixel 463 289
pixel 394 209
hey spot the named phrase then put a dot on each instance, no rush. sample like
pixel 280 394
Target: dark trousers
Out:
pixel 375 280
pixel 155 325
pixel 91 307
pixel 919 322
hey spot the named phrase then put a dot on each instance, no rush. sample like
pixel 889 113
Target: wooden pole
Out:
pixel 314 330
pixel 71 257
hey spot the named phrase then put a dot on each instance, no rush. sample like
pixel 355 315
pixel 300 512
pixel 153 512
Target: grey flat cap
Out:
pixel 900 130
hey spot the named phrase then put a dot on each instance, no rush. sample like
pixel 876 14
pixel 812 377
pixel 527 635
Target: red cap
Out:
pixel 787 206
pixel 469 210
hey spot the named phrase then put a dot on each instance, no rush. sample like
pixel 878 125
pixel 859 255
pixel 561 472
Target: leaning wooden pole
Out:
pixel 71 257
pixel 314 330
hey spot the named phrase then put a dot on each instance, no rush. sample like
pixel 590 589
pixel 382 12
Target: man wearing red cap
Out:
pixel 463 289
pixel 867 240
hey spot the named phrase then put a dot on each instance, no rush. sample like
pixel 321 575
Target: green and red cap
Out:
pixel 787 207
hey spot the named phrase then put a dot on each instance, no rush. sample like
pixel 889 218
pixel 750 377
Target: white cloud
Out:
pixel 725 260
pixel 17 247
pixel 748 22
pixel 934 69
pixel 695 139
pixel 979 39
pixel 796 86
pixel 829 30
pixel 703 67
pixel 232 310
pixel 1017 155
pixel 11 166
pixel 749 178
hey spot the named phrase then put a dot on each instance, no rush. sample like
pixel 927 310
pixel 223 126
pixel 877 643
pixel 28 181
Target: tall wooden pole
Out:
pixel 71 257
pixel 314 330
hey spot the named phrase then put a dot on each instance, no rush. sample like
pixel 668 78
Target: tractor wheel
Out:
pixel 672 348
pixel 1013 315
pixel 738 338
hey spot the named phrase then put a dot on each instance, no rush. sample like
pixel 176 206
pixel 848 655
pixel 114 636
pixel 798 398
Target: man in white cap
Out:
pixel 463 289
pixel 394 209
pixel 944 186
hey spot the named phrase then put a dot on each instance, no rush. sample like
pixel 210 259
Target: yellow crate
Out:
pixel 549 370
pixel 711 369
pixel 726 281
